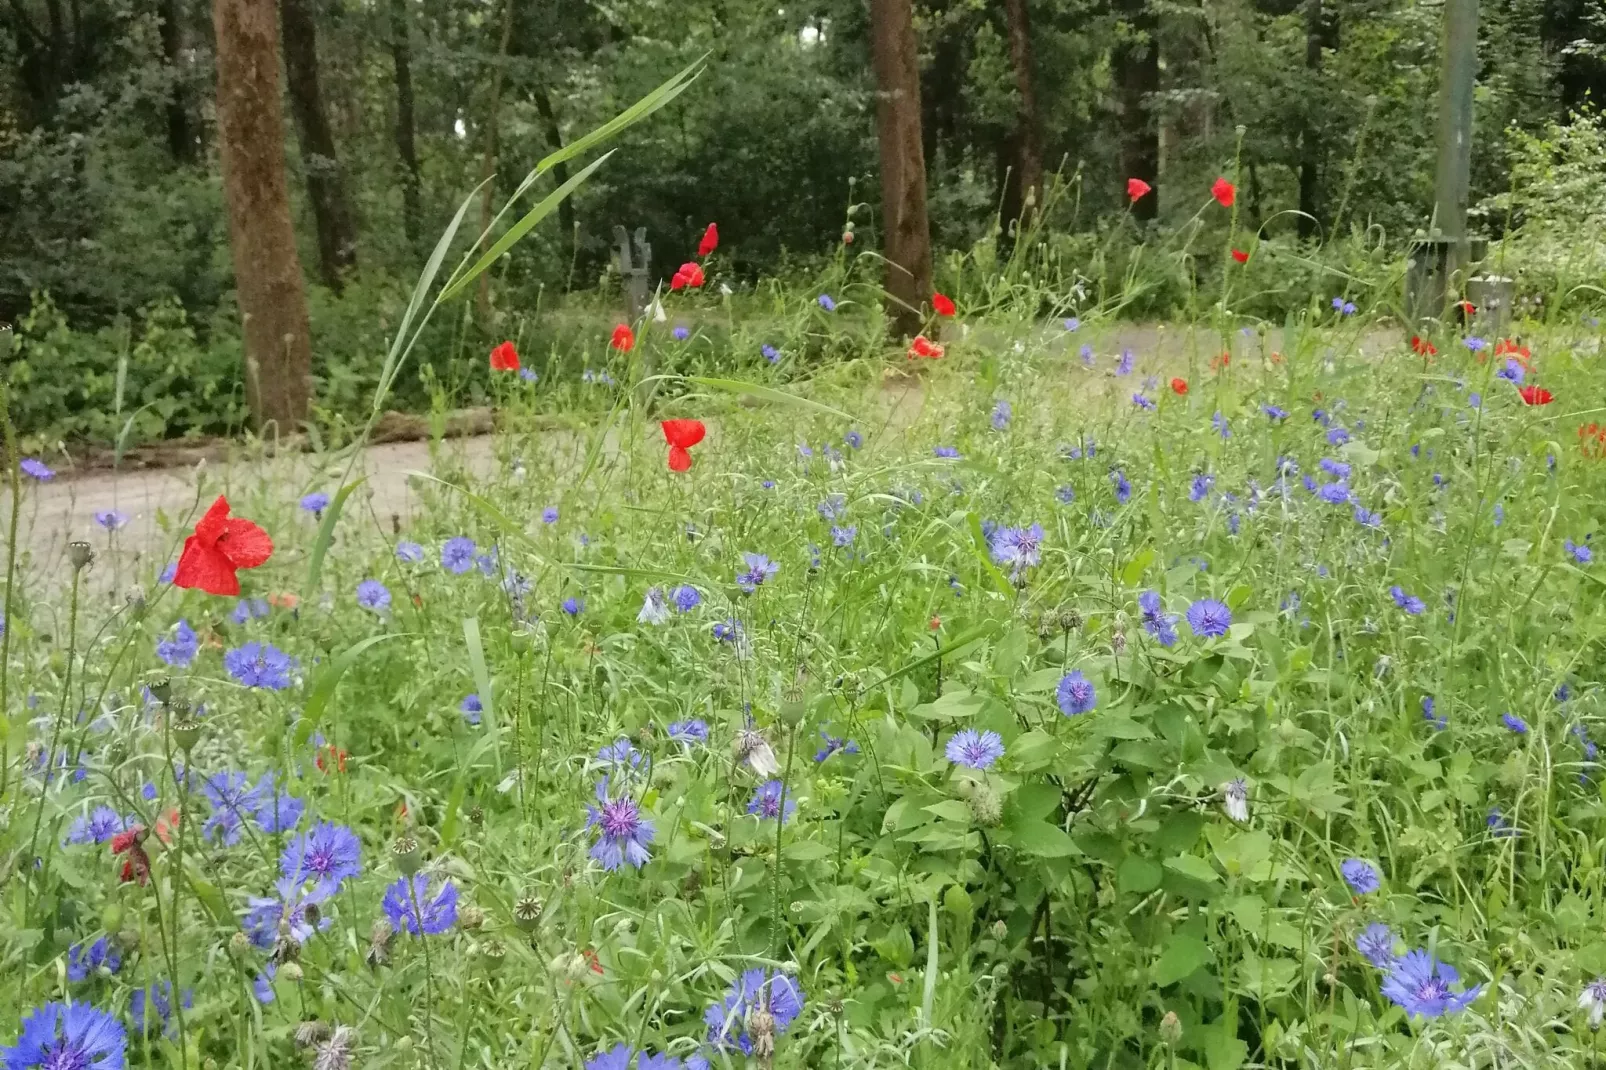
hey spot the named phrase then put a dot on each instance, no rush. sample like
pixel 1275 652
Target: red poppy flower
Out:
pixel 1520 353
pixel 710 240
pixel 1468 308
pixel 504 358
pixel 1423 347
pixel 1224 192
pixel 1221 361
pixel 624 339
pixel 935 623
pixel 589 955
pixel 1536 395
pixel 1179 386
pixel 690 274
pixel 681 436
pixel 924 347
pixel 336 760
pixel 943 304
pixel 1240 256
pixel 1592 442
pixel 1136 190
pixel 137 866
pixel 847 237
pixel 219 547
pixel 1276 358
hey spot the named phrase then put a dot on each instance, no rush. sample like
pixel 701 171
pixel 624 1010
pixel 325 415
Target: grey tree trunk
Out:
pixel 906 233
pixel 326 187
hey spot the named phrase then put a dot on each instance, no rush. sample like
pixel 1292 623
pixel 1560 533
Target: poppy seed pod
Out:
pixel 407 855
pixel 80 554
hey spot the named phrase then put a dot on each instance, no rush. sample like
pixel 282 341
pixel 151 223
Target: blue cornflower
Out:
pixel 767 799
pixel 1219 422
pixel 755 989
pixel 471 708
pixel 1333 493
pixel 1065 495
pixel 759 568
pixel 1156 621
pixel 248 609
pixel 1142 402
pixel 833 744
pixel 945 451
pixel 179 650
pixel 1075 694
pixel 728 631
pixel 67 1036
pixel 100 825
pixel 36 469
pixel 276 811
pixel 1376 945
pixel 621 753
pixel 326 853
pixel 1515 723
pixel 1336 469
pixel 1123 487
pixel 1438 720
pixel 263 918
pixel 1366 518
pixel 457 555
pixel 1201 487
pixel 1274 412
pixel 680 334
pixel 1497 824
pixel 686 598
pixel 624 833
pixel 1581 553
pixel 1408 602
pixel 1123 366
pixel 529 375
pixel 842 537
pixel 1337 436
pixel 973 749
pixel 826 303
pixel 315 503
pixel 618 1057
pixel 1343 307
pixel 854 439
pixel 1475 400
pixel 111 519
pixel 373 595
pixel 1421 984
pixel 771 354
pixel 1001 415
pixel 1511 373
pixel 1209 619
pixel 260 665
pixel 410 552
pixel 160 998
pixel 1019 548
pixel 438 913
pixel 262 984
pixel 82 961
pixel 1087 355
pixel 689 733
pixel 834 506
pixel 549 515
pixel 573 606
pixel 1361 876
pixel 1073 324
pixel 1474 343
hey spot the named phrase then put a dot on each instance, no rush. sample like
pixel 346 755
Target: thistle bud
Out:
pixel 1118 639
pixel 836 1007
pixel 240 943
pixel 291 971
pixel 134 599
pixel 1070 620
pixel 1000 930
pixel 310 1033
pixel 80 554
pixel 407 855
pixel 1170 1029
pixel 380 938
pixel 470 918
pixel 570 966
pixel 985 809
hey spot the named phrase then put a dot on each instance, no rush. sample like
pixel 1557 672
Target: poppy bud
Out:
pixel 847 237
pixel 239 943
pixel 1170 1029
pixel 80 554
pixel 291 971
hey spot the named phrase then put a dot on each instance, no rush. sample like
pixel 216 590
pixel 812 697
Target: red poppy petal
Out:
pixel 203 567
pixel 683 433
pixel 245 544
pixel 679 459
pixel 210 526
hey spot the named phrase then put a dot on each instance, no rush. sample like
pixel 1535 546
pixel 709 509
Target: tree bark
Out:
pixel 1320 32
pixel 1028 132
pixel 488 163
pixel 326 187
pixel 180 136
pixel 560 171
pixel 1137 64
pixel 401 55
pixel 906 233
pixel 267 271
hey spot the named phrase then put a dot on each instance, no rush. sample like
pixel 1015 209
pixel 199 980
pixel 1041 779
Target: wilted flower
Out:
pixel 1235 799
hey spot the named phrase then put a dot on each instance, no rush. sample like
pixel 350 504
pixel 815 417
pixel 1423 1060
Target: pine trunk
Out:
pixel 488 162
pixel 326 187
pixel 560 171
pixel 267 272
pixel 180 135
pixel 1028 140
pixel 401 55
pixel 906 234
pixel 1137 64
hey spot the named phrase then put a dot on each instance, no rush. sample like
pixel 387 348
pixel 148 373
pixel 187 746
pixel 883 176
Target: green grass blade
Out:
pixel 546 207
pixel 766 393
pixel 959 642
pixel 322 686
pixel 482 680
pixel 630 116
pixel 326 535
pixel 929 997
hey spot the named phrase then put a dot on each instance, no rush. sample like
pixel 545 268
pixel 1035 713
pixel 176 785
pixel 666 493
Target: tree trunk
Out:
pixel 1320 29
pixel 906 234
pixel 1137 64
pixel 1028 132
pixel 326 188
pixel 180 137
pixel 560 171
pixel 267 272
pixel 401 55
pixel 488 163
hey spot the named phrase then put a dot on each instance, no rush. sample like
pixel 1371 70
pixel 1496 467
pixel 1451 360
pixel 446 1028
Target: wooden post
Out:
pixel 1454 173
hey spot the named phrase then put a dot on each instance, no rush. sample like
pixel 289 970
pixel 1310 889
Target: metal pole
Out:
pixel 1454 172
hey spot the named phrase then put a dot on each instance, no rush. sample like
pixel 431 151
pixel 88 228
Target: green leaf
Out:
pixel 326 535
pixel 929 997
pixel 897 947
pixel 1182 955
pixel 1223 1049
pixel 1138 875
pixel 1194 867
pixel 482 679
pixel 1135 568
pixel 544 208
pixel 950 810
pixel 1010 652
pixel 1034 802
pixel 984 556
pixel 765 393
pixel 322 687
pixel 1041 840
pixel 959 642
